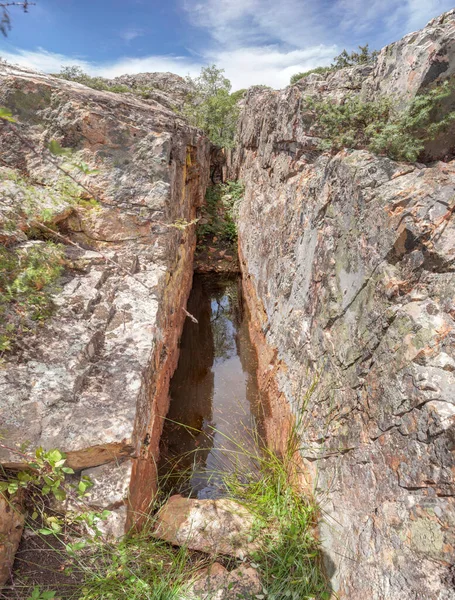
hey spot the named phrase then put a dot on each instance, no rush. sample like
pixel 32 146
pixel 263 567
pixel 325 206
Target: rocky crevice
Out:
pixel 93 381
pixel 348 272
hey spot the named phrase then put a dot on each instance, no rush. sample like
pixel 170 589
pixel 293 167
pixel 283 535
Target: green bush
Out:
pixel 364 57
pixel 298 76
pixel 212 108
pixel 377 127
pixel 344 59
pixel 75 73
pixel 220 213
pixel 27 276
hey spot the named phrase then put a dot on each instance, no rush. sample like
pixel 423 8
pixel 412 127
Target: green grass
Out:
pixel 138 568
pixel 289 562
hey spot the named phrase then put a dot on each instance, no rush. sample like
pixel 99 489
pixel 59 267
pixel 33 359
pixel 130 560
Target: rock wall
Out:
pixel 93 379
pixel 349 270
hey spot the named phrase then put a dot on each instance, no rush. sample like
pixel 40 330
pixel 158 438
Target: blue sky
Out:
pixel 255 41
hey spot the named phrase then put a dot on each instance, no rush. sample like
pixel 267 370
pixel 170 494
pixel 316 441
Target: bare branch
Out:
pixel 5 19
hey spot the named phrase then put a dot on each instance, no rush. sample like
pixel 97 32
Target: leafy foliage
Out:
pixel 37 594
pixel 27 276
pixel 346 59
pixel 348 125
pixel 220 213
pixel 6 114
pixel 46 471
pixel 365 56
pixel 319 70
pixel 75 73
pixel 212 108
pixel 376 126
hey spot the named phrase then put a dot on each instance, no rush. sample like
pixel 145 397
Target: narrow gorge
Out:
pixel 339 333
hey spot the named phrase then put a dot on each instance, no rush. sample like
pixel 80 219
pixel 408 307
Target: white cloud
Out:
pixel 422 11
pixel 51 62
pixel 246 22
pixel 247 66
pixel 269 65
pixel 260 41
pixel 131 33
pixel 394 17
pixel 299 24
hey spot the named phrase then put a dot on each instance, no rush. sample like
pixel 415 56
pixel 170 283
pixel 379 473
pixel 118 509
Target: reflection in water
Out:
pixel 214 397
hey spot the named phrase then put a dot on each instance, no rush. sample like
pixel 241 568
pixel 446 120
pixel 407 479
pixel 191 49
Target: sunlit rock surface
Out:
pixel 217 583
pixel 349 269
pixel 213 526
pixel 93 381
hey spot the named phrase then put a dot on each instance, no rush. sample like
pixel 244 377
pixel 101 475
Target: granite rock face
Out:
pixel 403 69
pixel 349 271
pixel 93 380
pixel 165 88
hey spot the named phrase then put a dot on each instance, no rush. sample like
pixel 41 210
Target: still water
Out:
pixel 215 408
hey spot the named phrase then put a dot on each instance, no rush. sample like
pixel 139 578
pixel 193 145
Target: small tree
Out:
pixel 364 57
pixel 5 19
pixel 212 107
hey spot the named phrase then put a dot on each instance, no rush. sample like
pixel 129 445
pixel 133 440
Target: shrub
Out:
pixel 320 70
pixel 220 213
pixel 364 57
pixel 75 73
pixel 376 126
pixel 212 108
pixel 349 124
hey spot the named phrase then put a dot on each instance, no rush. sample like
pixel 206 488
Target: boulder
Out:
pixel 349 272
pixel 11 527
pixel 93 379
pixel 217 583
pixel 212 526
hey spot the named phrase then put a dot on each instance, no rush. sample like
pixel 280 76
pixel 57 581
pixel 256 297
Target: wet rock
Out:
pixel 217 583
pixel 213 526
pixel 11 527
pixel 349 273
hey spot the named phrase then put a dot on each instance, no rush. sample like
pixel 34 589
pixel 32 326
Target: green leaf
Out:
pixel 59 494
pixel 34 515
pixel 68 470
pixel 6 115
pixel 12 487
pixel 36 593
pixel 57 150
pixel 45 531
